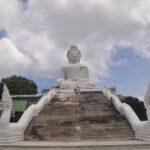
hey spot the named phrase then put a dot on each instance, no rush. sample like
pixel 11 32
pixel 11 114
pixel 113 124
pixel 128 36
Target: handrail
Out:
pixel 32 111
pixel 124 109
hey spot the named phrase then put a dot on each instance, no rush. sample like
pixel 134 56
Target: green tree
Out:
pixel 137 106
pixel 1 90
pixel 18 85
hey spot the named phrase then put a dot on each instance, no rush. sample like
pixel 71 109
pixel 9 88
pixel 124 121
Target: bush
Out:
pixel 137 106
pixel 19 85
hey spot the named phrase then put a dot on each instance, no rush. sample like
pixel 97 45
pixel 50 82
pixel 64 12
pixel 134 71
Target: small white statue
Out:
pixel 74 74
pixel 7 106
pixel 147 102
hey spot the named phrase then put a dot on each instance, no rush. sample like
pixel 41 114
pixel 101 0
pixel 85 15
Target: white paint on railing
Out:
pixel 141 128
pixel 12 132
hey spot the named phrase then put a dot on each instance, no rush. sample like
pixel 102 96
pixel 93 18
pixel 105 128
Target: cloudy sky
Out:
pixel 113 36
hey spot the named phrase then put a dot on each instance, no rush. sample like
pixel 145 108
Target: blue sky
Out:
pixel 3 33
pixel 132 77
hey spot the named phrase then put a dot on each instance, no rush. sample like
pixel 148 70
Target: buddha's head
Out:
pixel 74 55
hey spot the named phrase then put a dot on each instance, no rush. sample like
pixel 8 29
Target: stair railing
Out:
pixel 12 132
pixel 141 128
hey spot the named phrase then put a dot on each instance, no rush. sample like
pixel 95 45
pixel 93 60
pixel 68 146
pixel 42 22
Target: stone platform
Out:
pixel 101 145
pixel 87 116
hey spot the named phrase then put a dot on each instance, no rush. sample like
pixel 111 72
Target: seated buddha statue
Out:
pixel 74 74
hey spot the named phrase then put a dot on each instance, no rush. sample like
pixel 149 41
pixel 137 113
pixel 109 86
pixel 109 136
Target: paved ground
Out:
pixel 103 145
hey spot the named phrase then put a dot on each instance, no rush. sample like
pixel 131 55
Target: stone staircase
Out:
pixel 82 117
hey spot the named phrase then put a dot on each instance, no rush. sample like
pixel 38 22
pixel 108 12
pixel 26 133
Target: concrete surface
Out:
pixel 103 145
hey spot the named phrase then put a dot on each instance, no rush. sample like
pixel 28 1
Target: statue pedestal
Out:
pixel 70 85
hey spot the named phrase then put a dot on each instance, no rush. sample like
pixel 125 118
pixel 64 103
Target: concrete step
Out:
pixel 92 117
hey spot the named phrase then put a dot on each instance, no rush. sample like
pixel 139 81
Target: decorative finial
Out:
pixel 7 106
pixel 147 101
pixel 6 98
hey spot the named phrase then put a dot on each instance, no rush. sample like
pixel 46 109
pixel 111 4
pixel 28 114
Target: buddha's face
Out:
pixel 74 56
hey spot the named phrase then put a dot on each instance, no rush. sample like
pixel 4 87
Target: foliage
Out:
pixel 1 90
pixel 19 85
pixel 137 106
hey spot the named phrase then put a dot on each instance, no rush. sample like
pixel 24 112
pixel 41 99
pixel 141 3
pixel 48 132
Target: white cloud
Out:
pixel 45 30
pixel 11 60
pixel 10 11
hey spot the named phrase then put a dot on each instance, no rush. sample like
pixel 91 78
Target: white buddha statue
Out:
pixel 74 74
